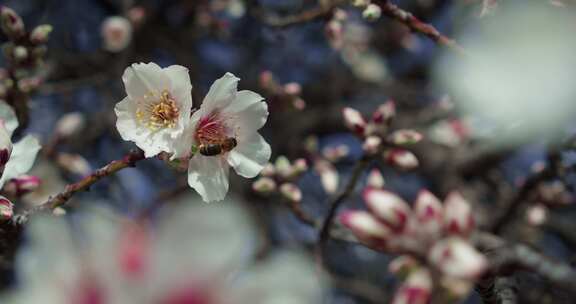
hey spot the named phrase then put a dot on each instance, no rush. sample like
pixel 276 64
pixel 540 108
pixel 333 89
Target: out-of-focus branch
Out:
pixel 84 184
pixel 418 26
pixel 318 12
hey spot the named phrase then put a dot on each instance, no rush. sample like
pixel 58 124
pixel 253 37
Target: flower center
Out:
pixel 212 129
pixel 160 112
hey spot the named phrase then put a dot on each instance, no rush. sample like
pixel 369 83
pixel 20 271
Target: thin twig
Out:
pixel 418 26
pixel 129 160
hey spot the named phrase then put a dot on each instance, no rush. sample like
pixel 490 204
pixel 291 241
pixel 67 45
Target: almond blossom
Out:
pixel 225 114
pixel 197 254
pixel 430 232
pixel 157 108
pixel 18 158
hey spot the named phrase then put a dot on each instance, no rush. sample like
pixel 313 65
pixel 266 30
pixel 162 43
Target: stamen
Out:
pixel 159 114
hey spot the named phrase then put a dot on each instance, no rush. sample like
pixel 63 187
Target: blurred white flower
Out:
pixel 157 108
pixel 23 154
pixel 521 85
pixel 117 33
pixel 226 117
pixel 196 254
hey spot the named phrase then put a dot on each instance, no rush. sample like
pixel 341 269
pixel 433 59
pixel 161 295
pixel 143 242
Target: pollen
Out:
pixel 158 111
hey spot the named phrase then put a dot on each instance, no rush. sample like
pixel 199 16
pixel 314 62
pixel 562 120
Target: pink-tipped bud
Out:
pixel 117 33
pixel 372 144
pixel 405 137
pixel 401 159
pixel 354 121
pixel 384 113
pixel 388 207
pixel 40 34
pixel 12 24
pixel 328 175
pixel 269 170
pixel 300 166
pixel 22 185
pixel 6 208
pixel 402 265
pixel 456 258
pixel 291 192
pixel 375 179
pixel 292 88
pixel 429 214
pixel 366 228
pixel 283 167
pixel 264 185
pixel 266 79
pixel 417 289
pixel 458 219
pixel 70 124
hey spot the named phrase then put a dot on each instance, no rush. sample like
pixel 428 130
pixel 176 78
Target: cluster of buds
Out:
pixel 377 135
pixel 21 185
pixel 431 235
pixel 24 52
pixel 285 95
pixel 323 162
pixel 370 11
pixel 280 177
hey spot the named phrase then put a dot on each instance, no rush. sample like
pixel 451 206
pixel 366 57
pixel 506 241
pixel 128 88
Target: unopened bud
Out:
pixel 137 14
pixel 458 219
pixel 456 258
pixel 20 53
pixel 416 289
pixel 22 185
pixel 283 167
pixel 360 3
pixel 74 163
pixel 40 34
pixel 291 192
pixel 6 208
pixel 375 179
pixel 354 121
pixel 372 144
pixel 70 124
pixel 328 175
pixel 401 159
pixel 268 170
pixel 384 113
pixel 59 211
pixel 299 104
pixel 292 88
pixel 366 228
pixel 300 166
pixel 117 33
pixel 266 79
pixel 405 137
pixel 388 208
pixel 12 24
pixel 372 12
pixel 264 185
pixel 537 215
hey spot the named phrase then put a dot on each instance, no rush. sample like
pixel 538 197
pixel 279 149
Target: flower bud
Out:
pixel 269 170
pixel 12 24
pixel 429 214
pixel 366 227
pixel 360 3
pixel 137 14
pixel 117 33
pixel 372 12
pixel 291 192
pixel 40 34
pixel 388 208
pixel 59 211
pixel 354 121
pixel 456 258
pixel 266 79
pixel 300 166
pixel 417 289
pixel 299 104
pixel 20 53
pixel 384 113
pixel 334 154
pixel 372 144
pixel 401 159
pixel 458 219
pixel 6 208
pixel 283 167
pixel 536 215
pixel 292 88
pixel 328 175
pixel 69 124
pixel 402 265
pixel 375 179
pixel 405 137
pixel 22 185
pixel 264 185
pixel 74 163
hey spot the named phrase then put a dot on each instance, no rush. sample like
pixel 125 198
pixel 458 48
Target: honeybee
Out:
pixel 213 149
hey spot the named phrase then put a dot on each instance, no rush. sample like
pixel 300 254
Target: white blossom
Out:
pixel 157 108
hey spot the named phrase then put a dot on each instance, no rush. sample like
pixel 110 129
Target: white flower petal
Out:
pixel 181 90
pixel 250 112
pixel 209 177
pixel 143 78
pixel 221 93
pixel 23 156
pixel 8 116
pixel 250 156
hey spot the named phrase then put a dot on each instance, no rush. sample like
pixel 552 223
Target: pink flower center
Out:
pixel 212 129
